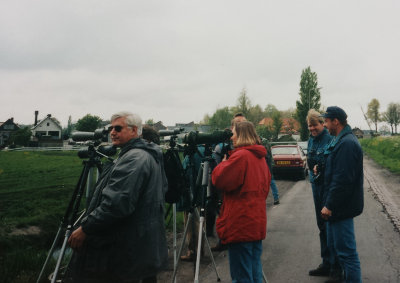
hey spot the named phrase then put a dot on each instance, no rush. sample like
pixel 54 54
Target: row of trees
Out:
pixel 310 97
pixel 391 116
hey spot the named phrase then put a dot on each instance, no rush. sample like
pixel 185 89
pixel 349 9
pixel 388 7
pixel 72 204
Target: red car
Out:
pixel 289 160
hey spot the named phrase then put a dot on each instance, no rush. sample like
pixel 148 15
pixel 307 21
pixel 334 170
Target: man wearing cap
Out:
pixel 343 196
pixel 317 144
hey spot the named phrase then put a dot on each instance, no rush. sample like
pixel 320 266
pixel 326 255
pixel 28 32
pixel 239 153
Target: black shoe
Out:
pixel 276 202
pixel 219 247
pixel 321 270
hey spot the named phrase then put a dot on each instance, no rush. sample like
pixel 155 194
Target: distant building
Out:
pixel 47 132
pixel 358 133
pixel 6 129
pixel 190 127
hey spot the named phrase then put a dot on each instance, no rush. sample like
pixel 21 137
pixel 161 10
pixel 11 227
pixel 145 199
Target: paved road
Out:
pixel 292 244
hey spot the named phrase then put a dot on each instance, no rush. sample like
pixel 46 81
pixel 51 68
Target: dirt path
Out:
pixel 386 188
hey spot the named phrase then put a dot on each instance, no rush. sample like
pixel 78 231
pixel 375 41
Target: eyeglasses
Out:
pixel 116 128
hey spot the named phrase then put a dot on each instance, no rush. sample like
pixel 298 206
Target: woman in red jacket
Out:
pixel 244 179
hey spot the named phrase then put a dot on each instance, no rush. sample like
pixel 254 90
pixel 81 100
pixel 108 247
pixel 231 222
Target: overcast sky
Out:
pixel 176 61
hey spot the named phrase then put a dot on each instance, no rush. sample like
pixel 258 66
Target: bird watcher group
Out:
pixel 122 237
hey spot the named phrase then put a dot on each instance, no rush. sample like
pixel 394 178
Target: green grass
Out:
pixel 384 150
pixel 35 190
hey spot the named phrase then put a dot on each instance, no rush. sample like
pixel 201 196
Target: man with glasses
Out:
pixel 122 236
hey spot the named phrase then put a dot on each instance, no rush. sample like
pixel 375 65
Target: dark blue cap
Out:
pixel 333 112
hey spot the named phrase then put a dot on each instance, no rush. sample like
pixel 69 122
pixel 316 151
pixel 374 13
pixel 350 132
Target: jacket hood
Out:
pixel 258 150
pixel 150 147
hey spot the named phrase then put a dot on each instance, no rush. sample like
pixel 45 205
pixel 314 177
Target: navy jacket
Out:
pixel 344 177
pixel 315 151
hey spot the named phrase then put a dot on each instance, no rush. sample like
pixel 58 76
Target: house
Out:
pixel 6 129
pixel 47 132
pixel 358 133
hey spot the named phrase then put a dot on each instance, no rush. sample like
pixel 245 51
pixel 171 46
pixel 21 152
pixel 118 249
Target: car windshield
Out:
pixel 284 150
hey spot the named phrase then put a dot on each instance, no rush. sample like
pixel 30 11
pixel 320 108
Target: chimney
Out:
pixel 36 115
pixel 49 115
pixel 12 119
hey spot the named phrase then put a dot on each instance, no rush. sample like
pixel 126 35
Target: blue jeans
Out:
pixel 245 262
pixel 274 189
pixel 342 242
pixel 317 195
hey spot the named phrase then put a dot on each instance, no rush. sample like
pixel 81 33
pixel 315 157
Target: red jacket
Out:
pixel 245 180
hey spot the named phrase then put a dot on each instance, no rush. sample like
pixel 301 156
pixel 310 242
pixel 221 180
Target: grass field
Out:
pixel 35 189
pixel 384 150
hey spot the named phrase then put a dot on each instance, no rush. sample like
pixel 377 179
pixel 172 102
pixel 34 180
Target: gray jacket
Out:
pixel 125 219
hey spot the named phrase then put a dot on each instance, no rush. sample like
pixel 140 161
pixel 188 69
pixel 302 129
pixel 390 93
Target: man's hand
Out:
pixel 77 238
pixel 326 213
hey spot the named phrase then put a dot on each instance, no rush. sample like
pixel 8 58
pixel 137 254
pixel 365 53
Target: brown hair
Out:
pixel 314 117
pixel 246 134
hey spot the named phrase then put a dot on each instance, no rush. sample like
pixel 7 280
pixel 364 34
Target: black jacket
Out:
pixel 344 176
pixel 125 220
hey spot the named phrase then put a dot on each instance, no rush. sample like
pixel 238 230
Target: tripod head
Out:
pixel 94 153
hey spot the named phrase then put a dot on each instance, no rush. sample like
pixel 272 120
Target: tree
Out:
pixel 221 119
pixel 270 110
pixel 243 103
pixel 21 136
pixel 256 114
pixel 373 112
pixel 264 131
pixel 277 125
pixel 67 131
pixel 88 123
pixel 149 122
pixel 309 99
pixel 392 116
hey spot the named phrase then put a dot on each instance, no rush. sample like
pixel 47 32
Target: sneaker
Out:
pixel 335 276
pixel 321 270
pixel 276 202
pixel 190 256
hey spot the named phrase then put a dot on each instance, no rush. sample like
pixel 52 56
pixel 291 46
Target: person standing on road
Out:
pixel 343 197
pixel 245 180
pixel 122 236
pixel 317 144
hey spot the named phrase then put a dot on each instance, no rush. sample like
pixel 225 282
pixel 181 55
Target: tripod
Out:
pixel 70 218
pixel 203 173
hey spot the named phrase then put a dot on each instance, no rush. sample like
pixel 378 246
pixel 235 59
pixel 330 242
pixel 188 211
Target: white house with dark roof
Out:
pixel 47 131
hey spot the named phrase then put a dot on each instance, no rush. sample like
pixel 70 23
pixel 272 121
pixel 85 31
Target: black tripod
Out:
pixel 70 218
pixel 204 174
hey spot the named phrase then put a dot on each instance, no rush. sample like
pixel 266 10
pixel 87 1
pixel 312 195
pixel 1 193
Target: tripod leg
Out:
pixel 199 239
pixel 50 254
pixel 265 277
pixel 190 216
pixel 174 232
pixel 211 255
pixel 209 250
pixel 60 257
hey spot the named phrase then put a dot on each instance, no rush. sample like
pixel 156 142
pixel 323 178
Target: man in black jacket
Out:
pixel 122 236
pixel 343 197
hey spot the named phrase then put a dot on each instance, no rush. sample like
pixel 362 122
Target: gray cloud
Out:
pixel 175 61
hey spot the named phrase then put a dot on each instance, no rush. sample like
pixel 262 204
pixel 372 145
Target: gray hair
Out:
pixel 314 117
pixel 132 120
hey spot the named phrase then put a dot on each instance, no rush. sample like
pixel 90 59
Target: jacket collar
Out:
pixel 346 130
